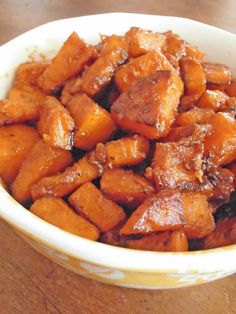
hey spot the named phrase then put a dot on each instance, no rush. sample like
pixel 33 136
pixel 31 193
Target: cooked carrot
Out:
pixel 93 123
pixel 84 170
pixel 99 74
pixel 42 160
pixel 175 45
pixel 144 66
pixel 58 213
pixel 70 60
pixel 198 215
pixel 217 73
pixel 125 187
pixel 92 204
pixel 195 115
pixel 16 142
pixel 195 53
pixel 149 106
pixel 213 99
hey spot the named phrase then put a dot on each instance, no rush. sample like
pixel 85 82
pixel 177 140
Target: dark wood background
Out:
pixel 30 283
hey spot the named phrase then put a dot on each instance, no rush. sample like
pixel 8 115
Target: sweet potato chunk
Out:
pixel 232 168
pixel 125 187
pixel 141 41
pixel 16 142
pixel 213 99
pixel 84 170
pixel 198 215
pixel 217 73
pixel 194 53
pixel 175 45
pixel 72 87
pixel 126 151
pixel 70 60
pixel 43 160
pixel 224 234
pixel 149 106
pixel 55 124
pixel 160 212
pixel 93 123
pixel 220 145
pixel 144 66
pixel 99 74
pixel 177 133
pixel 195 115
pixel 58 213
pixel 91 203
pixel 231 88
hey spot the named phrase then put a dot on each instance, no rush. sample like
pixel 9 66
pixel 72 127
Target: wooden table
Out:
pixel 30 283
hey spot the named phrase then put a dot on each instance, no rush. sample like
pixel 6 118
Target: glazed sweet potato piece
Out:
pixel 177 133
pixel 194 53
pixel 143 66
pixel 220 145
pixel 175 45
pixel 141 41
pixel 70 60
pixel 224 234
pixel 42 160
pixel 16 142
pixel 99 74
pixel 84 170
pixel 93 124
pixel 125 187
pixel 160 212
pixel 149 106
pixel 58 213
pixel 193 116
pixel 217 73
pixel 198 215
pixel 92 204
pixel 213 99
pixel 231 88
pixel 232 168
pixel 126 151
pixel 72 87
pixel 56 124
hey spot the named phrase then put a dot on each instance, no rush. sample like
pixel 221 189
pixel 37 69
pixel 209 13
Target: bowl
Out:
pixel 102 262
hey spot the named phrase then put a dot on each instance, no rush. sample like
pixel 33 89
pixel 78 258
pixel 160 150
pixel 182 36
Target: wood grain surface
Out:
pixel 30 283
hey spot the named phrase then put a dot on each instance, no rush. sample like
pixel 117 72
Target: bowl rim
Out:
pixel 207 261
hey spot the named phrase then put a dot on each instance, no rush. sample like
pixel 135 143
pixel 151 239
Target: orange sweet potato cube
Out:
pixel 231 88
pixel 91 203
pixel 213 99
pixel 159 212
pixel 56 124
pixel 99 74
pixel 143 66
pixel 41 161
pixel 217 73
pixel 84 170
pixel 194 52
pixel 16 142
pixel 177 133
pixel 175 45
pixel 93 124
pixel 224 234
pixel 125 187
pixel 72 87
pixel 149 106
pixel 70 60
pixel 141 41
pixel 232 168
pixel 197 214
pixel 220 145
pixel 58 213
pixel 194 116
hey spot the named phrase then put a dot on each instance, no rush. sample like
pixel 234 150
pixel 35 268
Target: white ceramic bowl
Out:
pixel 119 266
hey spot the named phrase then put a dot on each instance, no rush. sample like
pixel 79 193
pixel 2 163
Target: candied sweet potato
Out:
pixel 194 52
pixel 93 124
pixel 126 151
pixel 16 142
pixel 231 88
pixel 72 87
pixel 232 168
pixel 143 66
pixel 58 213
pixel 213 99
pixel 125 186
pixel 141 41
pixel 220 145
pixel 198 215
pixel 55 124
pixel 99 74
pixel 159 212
pixel 193 116
pixel 41 161
pixel 92 204
pixel 149 106
pixel 217 73
pixel 70 60
pixel 224 234
pixel 84 170
pixel 175 45
pixel 179 132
